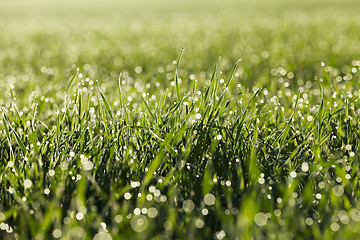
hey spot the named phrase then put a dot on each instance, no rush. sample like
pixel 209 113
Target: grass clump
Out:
pixel 209 164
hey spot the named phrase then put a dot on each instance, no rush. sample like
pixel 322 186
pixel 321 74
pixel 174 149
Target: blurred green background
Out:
pixel 111 34
pixel 42 42
pixel 114 36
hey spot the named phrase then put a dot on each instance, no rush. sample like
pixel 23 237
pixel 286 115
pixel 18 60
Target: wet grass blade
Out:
pixel 288 124
pixel 149 110
pixel 208 89
pixel 107 106
pixel 72 79
pixel 17 137
pixel 178 94
pixel 321 110
pixel 232 73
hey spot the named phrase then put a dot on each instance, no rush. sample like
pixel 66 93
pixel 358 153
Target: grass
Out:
pixel 109 132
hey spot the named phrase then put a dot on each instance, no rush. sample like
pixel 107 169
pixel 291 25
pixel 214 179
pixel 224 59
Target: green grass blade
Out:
pixel 232 73
pixel 288 124
pixel 178 94
pixel 120 94
pixel 72 79
pixel 208 89
pixel 107 106
pixel 149 110
pixel 17 138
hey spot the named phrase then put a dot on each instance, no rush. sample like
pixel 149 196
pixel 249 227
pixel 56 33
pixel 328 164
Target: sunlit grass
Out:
pixel 108 132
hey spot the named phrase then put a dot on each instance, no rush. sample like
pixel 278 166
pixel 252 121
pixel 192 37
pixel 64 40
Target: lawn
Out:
pixel 179 120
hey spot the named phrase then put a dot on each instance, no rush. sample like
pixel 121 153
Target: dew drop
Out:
pixel 209 199
pixel 57 233
pixel 103 236
pixel 188 205
pixel 152 212
pixel 138 223
pixel 27 183
pixel 199 223
pixel 260 219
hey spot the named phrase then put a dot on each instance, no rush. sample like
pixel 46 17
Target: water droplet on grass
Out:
pixel 188 205
pixel 103 236
pixel 321 185
pixel 118 218
pixel 209 199
pixel 305 167
pixel 63 166
pixel 167 225
pixel 199 223
pixel 144 210
pixel 338 190
pixel 3 226
pixel 88 165
pixel 261 180
pixel 343 217
pixel 127 196
pixel 277 212
pixel 149 197
pixel 139 223
pixel 260 219
pixel 335 227
pixel 79 216
pixel 356 216
pixel 57 233
pixel 137 211
pixel 205 212
pixel 318 196
pixel 309 221
pixel 152 212
pixel 27 183
pixel 51 173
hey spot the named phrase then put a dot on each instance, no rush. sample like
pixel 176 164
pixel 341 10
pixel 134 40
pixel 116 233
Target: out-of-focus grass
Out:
pixel 179 149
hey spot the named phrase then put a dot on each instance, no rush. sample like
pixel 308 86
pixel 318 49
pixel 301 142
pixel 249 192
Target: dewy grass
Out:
pixel 263 148
pixel 90 172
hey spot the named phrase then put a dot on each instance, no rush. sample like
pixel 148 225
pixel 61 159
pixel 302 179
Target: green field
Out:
pixel 179 119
